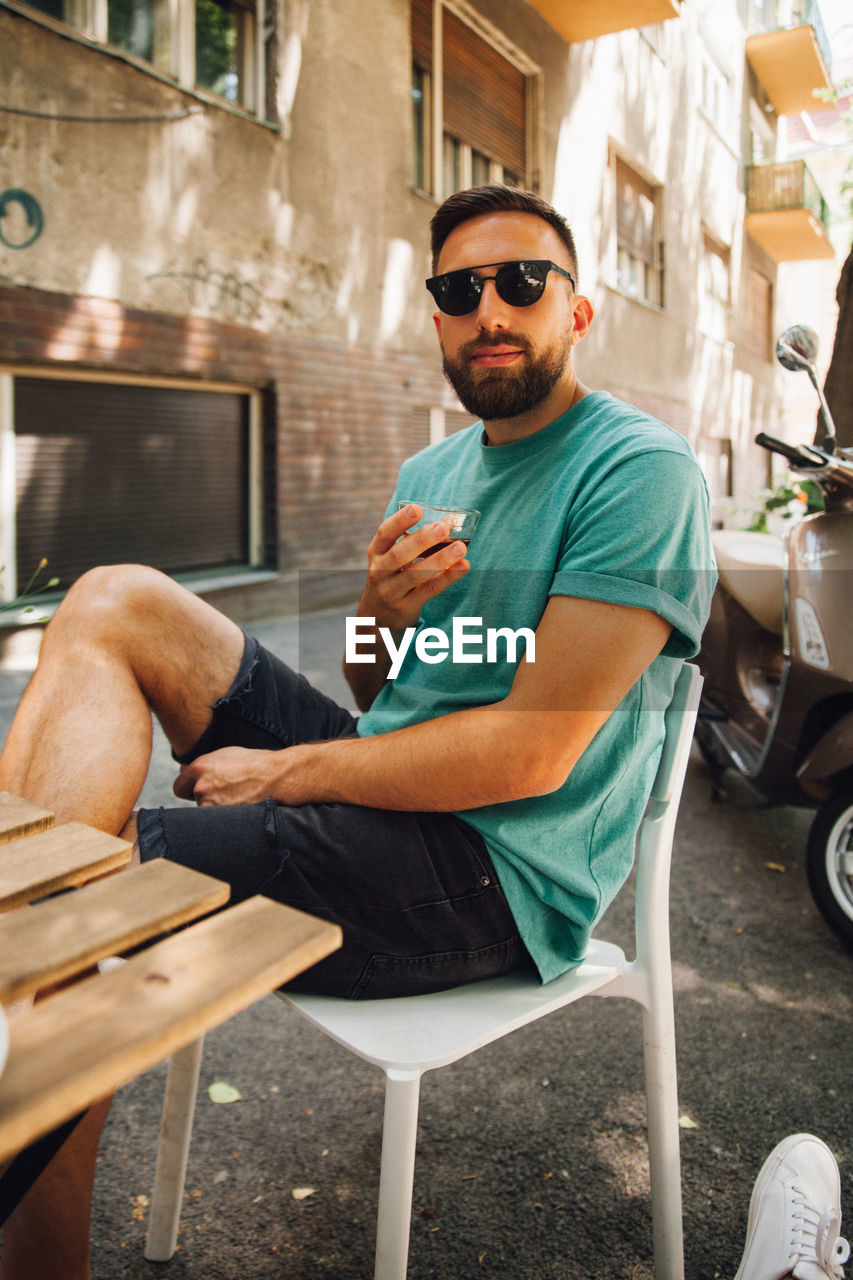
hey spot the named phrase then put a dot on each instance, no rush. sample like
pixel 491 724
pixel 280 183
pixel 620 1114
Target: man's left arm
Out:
pixel 588 655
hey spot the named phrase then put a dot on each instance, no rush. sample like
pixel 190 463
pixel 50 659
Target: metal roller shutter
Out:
pixel 484 96
pixel 107 473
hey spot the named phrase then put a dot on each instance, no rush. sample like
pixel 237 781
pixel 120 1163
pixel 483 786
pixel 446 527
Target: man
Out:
pixel 481 814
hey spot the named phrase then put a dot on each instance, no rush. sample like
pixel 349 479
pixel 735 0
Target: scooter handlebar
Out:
pixel 799 456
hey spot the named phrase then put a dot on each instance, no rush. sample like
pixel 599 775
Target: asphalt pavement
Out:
pixel 532 1152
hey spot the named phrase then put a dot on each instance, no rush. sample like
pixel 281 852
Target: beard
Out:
pixel 492 394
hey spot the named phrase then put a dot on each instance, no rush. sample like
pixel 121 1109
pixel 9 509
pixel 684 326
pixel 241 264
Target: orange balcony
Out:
pixel 792 61
pixel 577 20
pixel 786 213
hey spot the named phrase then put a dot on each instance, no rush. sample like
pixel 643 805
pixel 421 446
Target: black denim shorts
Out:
pixel 415 894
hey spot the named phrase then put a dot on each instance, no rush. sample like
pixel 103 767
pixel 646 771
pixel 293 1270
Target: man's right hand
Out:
pixel 402 575
pixel 399 582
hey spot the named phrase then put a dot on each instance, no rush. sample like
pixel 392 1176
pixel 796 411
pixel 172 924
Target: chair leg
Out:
pixel 664 1156
pixel 396 1179
pixel 172 1152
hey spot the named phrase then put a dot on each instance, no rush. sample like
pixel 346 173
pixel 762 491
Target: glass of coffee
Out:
pixel 459 521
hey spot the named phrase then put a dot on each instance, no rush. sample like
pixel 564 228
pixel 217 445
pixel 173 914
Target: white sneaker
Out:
pixel 795 1215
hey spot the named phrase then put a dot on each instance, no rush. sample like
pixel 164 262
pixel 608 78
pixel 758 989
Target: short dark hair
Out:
pixel 476 201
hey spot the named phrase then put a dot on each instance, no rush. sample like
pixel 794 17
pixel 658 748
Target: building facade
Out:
pixel 215 344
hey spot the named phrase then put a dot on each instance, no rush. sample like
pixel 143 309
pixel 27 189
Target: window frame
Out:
pixel 433 156
pixel 653 266
pixel 717 305
pixel 715 455
pixel 89 20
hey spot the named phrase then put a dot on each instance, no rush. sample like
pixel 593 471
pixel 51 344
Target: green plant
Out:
pixel 793 499
pixel 33 587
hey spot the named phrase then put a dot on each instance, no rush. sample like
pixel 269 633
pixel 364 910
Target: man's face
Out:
pixel 504 361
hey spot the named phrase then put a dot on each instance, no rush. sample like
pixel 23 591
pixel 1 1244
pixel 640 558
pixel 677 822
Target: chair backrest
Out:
pixel 678 723
pixel 654 844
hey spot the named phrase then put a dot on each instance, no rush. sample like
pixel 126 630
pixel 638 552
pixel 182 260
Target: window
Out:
pixel 431 425
pixel 205 44
pixel 760 313
pixel 224 40
pixel 484 114
pixel 714 288
pixel 714 454
pixel 639 252
pixel 141 27
pixel 94 461
pixel 420 108
pixel 715 94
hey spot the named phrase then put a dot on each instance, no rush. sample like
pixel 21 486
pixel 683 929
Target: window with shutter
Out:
pixel 760 337
pixel 106 473
pixel 714 277
pixel 639 258
pixel 483 119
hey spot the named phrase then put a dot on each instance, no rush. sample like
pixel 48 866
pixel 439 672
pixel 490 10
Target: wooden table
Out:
pixel 80 1043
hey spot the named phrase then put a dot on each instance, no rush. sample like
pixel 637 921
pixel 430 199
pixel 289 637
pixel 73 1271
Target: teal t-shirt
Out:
pixel 605 504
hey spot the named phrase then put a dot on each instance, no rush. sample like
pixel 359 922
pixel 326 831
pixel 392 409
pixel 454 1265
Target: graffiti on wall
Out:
pixel 219 292
pixel 21 218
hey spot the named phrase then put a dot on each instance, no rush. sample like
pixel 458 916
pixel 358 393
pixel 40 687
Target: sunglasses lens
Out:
pixel 457 293
pixel 521 283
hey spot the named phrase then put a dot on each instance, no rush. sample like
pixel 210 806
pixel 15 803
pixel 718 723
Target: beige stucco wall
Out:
pixel 214 214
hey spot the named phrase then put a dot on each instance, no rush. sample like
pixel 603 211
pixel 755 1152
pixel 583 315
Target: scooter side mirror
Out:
pixel 796 348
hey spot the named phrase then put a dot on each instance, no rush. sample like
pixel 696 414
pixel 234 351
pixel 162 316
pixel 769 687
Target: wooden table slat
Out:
pixel 20 818
pixel 59 858
pixel 79 1045
pixel 54 939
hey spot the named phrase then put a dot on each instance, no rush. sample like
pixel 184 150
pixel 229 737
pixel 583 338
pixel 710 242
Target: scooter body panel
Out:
pixel 820 560
pixel 776 700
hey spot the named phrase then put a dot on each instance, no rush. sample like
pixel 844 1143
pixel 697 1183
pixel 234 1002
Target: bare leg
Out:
pixel 125 641
pixel 48 1234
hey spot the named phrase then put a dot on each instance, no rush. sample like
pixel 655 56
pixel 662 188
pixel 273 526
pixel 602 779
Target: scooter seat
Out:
pixel 750 567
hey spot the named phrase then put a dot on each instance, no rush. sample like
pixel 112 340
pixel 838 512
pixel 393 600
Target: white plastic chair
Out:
pixel 410 1035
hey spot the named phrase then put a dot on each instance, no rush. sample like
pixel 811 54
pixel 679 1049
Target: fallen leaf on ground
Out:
pixel 775 866
pixel 684 1122
pixel 219 1091
pixel 140 1204
pixel 302 1193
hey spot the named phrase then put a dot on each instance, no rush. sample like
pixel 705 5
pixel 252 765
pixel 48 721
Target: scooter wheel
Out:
pixel 829 864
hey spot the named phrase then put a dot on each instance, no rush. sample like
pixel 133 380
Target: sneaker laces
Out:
pixel 817 1238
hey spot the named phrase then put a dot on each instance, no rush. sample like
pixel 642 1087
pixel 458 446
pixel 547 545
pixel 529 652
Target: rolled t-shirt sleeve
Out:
pixel 639 536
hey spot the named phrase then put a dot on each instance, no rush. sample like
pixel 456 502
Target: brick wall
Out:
pixel 339 420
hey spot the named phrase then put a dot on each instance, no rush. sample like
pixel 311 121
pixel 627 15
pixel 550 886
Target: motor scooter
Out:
pixel 777 657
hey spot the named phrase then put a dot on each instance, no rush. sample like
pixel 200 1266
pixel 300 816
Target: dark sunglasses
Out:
pixel 520 284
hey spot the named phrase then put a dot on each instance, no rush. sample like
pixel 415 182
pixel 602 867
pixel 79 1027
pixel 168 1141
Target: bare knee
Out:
pixel 113 593
pixel 115 607
pixel 180 651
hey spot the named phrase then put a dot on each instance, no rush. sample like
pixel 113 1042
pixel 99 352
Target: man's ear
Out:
pixel 436 319
pixel 582 314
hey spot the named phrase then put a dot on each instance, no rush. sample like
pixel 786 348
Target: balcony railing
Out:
pixel 789 185
pixel 786 212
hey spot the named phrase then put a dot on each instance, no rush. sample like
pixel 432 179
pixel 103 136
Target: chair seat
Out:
pixel 418 1033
